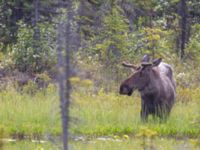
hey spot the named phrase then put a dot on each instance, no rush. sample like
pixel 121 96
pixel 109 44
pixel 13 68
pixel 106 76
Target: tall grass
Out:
pixel 28 145
pixel 93 114
pixel 33 115
pixel 109 114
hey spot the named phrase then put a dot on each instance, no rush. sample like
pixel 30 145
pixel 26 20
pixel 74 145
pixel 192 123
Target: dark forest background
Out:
pixel 105 33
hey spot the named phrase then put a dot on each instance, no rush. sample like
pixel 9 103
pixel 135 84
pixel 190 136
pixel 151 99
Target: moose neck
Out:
pixel 152 86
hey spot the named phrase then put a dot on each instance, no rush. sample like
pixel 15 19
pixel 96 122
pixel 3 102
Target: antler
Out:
pixel 146 64
pixel 125 64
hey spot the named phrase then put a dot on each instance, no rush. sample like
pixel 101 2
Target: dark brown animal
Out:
pixel 156 85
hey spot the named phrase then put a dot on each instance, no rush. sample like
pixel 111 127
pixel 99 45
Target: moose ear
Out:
pixel 156 62
pixel 145 58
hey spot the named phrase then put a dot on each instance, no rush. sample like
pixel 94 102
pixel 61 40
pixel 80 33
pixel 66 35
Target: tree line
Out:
pixel 110 30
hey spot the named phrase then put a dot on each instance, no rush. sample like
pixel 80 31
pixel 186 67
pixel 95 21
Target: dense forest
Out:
pixel 104 32
pixel 98 35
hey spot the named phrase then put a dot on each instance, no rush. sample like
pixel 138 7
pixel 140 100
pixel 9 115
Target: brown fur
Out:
pixel 156 86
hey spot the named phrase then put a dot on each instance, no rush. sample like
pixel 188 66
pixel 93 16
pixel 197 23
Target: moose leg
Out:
pixel 144 113
pixel 144 116
pixel 162 112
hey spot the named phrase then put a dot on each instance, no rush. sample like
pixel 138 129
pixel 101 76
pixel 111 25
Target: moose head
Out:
pixel 141 76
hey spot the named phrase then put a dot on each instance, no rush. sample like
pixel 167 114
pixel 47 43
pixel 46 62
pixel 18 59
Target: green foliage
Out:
pixel 154 41
pixel 43 76
pixel 30 88
pixel 33 55
pixel 82 85
pixel 147 4
pixel 107 37
pixel 185 74
pixel 113 37
pixel 193 46
pixel 8 25
pixel 16 11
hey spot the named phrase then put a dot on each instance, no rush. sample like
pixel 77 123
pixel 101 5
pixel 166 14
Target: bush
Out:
pixel 193 46
pixel 34 55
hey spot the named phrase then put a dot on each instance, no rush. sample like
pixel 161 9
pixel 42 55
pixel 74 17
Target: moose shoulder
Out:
pixel 156 85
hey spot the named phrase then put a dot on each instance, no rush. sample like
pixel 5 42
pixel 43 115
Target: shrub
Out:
pixel 33 55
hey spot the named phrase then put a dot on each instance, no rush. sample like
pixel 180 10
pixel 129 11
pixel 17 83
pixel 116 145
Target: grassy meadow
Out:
pixel 37 116
pixel 110 114
pixel 91 43
pixel 27 115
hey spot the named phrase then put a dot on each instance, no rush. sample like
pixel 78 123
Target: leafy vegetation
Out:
pixel 103 34
pixel 34 55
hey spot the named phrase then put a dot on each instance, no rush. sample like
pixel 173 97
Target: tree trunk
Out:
pixel 183 27
pixel 64 72
pixel 65 105
pixel 36 35
pixel 61 80
pixel 36 19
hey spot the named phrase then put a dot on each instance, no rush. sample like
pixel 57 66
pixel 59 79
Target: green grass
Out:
pixel 29 115
pixel 92 115
pixel 109 114
pixel 28 145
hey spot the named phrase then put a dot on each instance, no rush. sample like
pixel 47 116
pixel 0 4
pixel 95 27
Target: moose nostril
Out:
pixel 130 92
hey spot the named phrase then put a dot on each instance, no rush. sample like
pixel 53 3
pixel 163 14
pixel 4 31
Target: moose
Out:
pixel 155 83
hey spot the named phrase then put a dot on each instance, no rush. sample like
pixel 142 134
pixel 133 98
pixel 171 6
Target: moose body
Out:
pixel 156 85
